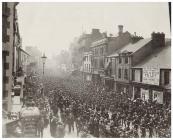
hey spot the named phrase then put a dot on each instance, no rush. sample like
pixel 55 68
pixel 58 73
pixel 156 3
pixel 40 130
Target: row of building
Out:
pixel 16 62
pixel 129 64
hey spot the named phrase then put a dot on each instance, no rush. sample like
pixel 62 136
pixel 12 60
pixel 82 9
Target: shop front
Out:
pixel 148 92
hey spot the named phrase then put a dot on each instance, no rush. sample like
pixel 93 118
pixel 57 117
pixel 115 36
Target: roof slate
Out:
pixel 131 47
pixel 161 58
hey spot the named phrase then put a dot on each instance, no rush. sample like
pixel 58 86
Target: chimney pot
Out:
pixel 105 34
pixel 95 31
pixel 158 39
pixel 120 29
pixel 135 33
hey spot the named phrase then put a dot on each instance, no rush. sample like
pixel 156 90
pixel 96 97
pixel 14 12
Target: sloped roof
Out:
pixel 160 58
pixel 131 47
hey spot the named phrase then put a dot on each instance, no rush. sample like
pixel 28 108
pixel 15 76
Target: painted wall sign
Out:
pixel 151 75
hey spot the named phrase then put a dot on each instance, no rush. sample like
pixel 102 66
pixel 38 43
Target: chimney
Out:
pixel 136 38
pixel 134 33
pixel 95 31
pixel 104 34
pixel 158 39
pixel 120 29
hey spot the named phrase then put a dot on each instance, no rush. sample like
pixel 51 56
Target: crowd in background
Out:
pixel 102 113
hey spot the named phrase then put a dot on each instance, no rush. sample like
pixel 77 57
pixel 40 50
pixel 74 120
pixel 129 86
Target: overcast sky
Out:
pixel 52 26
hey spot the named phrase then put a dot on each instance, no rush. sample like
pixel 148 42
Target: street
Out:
pixel 84 70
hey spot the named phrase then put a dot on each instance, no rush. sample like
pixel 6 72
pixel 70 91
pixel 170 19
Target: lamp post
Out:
pixel 43 60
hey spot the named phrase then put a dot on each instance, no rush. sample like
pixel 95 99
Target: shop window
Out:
pixel 126 74
pixel 119 73
pixel 155 96
pixel 126 60
pixel 143 96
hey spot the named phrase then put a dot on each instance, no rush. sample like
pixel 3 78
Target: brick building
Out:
pixel 8 51
pixel 122 61
pixel 81 45
pixel 104 47
pixel 151 78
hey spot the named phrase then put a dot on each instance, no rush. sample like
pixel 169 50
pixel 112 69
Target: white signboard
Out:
pixel 151 75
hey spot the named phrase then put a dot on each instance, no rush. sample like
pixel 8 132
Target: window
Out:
pixel 6 79
pixel 6 66
pixel 94 63
pixel 126 60
pixel 143 96
pixel 155 96
pixel 119 73
pixel 5 93
pixel 96 51
pixel 85 67
pixel 137 75
pixel 166 77
pixel 120 60
pixel 101 63
pixel 101 51
pixel 126 74
pixel 133 75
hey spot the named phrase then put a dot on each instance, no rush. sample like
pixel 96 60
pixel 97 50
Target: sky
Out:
pixel 53 26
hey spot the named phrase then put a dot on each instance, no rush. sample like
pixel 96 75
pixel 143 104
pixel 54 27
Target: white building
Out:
pixel 87 66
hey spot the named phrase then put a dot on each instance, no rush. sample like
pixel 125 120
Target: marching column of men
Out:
pixel 98 113
pixel 94 112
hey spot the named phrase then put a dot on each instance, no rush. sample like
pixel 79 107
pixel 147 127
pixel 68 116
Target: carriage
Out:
pixel 29 117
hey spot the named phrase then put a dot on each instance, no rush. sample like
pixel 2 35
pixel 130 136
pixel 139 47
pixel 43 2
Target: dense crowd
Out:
pixel 102 113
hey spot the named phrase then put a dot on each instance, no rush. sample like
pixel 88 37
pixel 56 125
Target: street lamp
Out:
pixel 43 60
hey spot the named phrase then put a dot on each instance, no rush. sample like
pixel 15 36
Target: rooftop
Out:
pixel 131 47
pixel 107 39
pixel 160 58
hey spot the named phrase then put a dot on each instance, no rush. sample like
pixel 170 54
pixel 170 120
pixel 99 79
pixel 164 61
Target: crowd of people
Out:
pixel 100 113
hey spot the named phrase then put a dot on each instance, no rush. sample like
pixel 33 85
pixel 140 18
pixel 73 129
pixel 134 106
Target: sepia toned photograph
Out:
pixel 86 70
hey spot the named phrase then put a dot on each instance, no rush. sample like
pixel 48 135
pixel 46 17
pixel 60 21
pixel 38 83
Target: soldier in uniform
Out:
pixel 70 122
